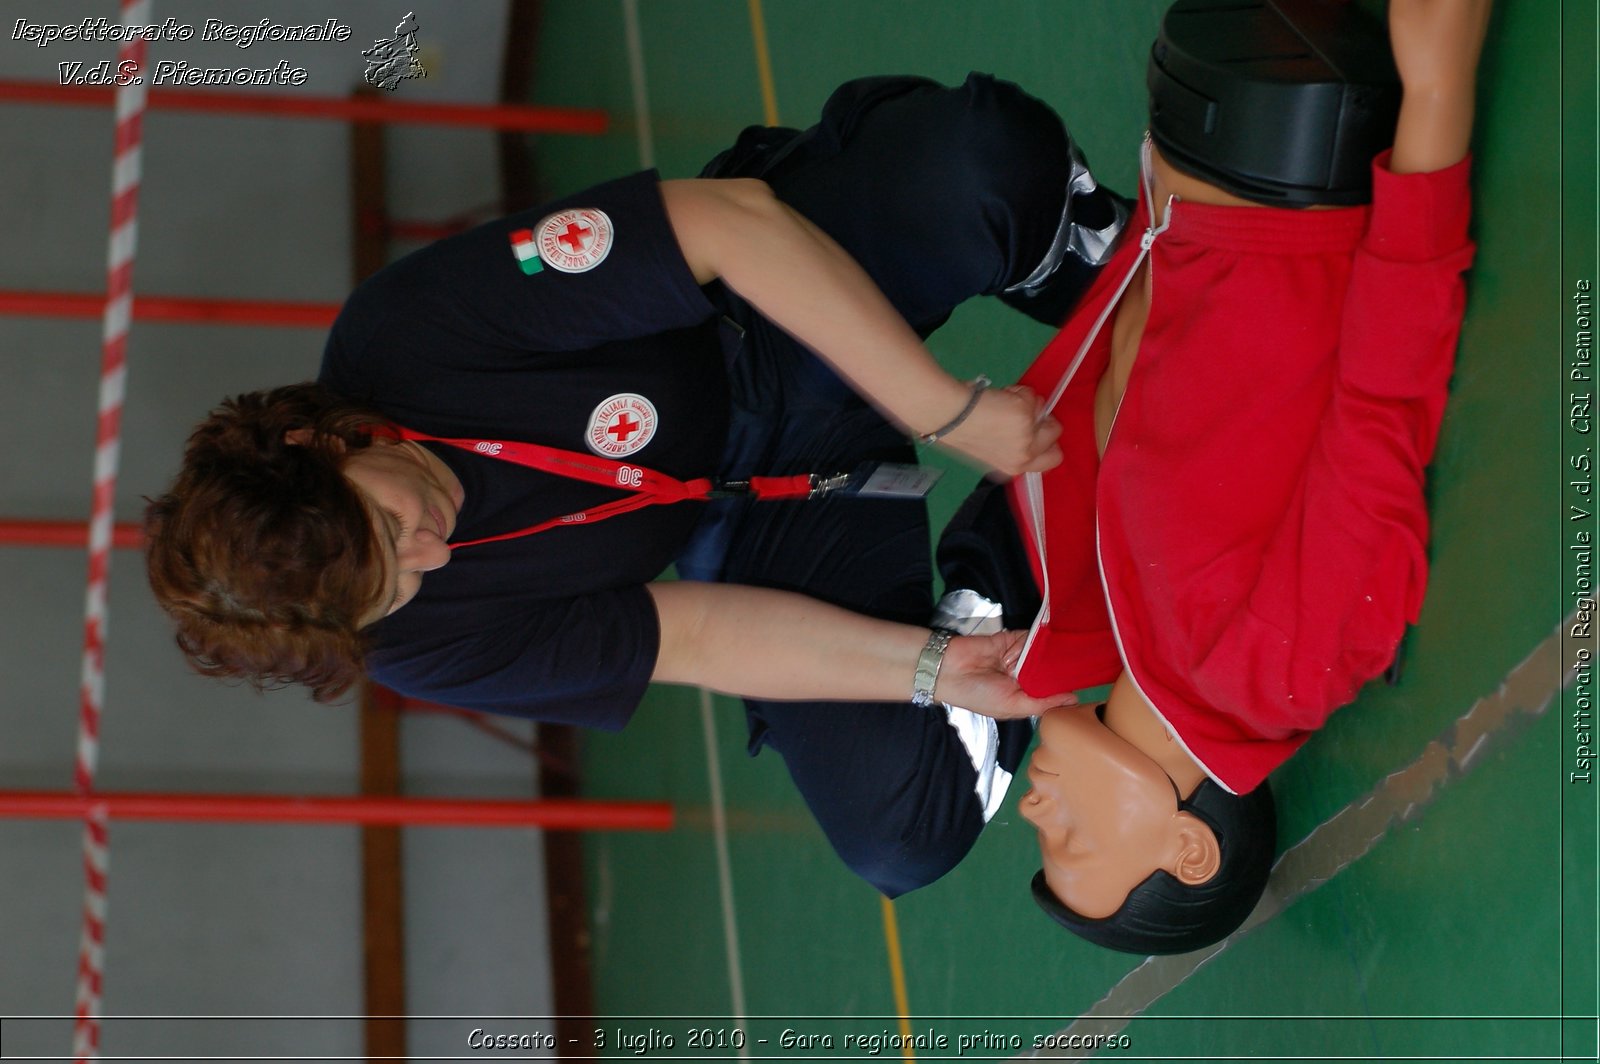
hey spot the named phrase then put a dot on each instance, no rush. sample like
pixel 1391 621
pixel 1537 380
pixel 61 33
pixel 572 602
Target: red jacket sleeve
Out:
pixel 1346 570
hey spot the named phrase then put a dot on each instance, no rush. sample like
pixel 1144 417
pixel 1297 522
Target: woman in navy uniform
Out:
pixel 546 402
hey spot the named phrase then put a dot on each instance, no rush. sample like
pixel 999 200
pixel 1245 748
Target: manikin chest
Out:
pixel 1127 328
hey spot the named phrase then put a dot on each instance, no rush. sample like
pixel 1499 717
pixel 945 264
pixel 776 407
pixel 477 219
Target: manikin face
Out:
pixel 1107 814
pixel 414 501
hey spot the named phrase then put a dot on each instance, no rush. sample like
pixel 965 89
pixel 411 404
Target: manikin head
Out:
pixel 1141 851
pixel 1280 102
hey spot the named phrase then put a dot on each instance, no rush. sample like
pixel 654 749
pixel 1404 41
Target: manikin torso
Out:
pixel 1133 308
pixel 1126 712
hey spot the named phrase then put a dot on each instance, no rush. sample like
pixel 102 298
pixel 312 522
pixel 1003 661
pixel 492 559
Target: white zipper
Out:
pixel 1116 634
pixel 1146 240
pixel 1033 483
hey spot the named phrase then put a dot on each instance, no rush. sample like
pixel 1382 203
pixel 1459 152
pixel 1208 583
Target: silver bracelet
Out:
pixel 928 663
pixel 979 385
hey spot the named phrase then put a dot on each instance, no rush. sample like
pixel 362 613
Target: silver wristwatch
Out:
pixel 928 663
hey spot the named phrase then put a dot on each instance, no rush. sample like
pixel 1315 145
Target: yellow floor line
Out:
pixel 897 976
pixel 769 94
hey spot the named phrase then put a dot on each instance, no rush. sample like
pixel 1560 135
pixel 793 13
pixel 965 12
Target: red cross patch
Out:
pixel 576 240
pixel 621 425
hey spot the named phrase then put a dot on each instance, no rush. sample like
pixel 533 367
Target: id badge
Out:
pixel 891 480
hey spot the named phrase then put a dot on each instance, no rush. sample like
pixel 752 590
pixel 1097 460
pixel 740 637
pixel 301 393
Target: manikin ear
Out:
pixel 1199 854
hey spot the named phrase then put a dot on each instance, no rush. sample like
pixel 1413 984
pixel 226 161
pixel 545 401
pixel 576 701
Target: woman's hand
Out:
pixel 1005 433
pixel 976 675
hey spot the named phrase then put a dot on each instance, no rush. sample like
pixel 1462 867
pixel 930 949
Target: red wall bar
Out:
pixel 64 534
pixel 426 232
pixel 173 309
pixel 553 814
pixel 524 119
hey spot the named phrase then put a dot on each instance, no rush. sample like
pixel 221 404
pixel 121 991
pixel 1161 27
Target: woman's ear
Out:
pixel 1199 853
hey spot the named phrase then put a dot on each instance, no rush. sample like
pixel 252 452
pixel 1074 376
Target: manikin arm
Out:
pixel 798 277
pixel 776 645
pixel 1352 545
pixel 1436 47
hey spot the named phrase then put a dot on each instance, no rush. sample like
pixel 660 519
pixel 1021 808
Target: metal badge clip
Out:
pixel 821 485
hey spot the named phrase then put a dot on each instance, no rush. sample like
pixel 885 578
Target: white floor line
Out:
pixel 708 723
pixel 641 92
pixel 1526 693
pixel 719 812
pixel 719 834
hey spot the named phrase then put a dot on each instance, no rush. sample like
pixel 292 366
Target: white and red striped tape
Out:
pixel 130 106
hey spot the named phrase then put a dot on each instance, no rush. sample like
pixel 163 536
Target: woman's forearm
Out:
pixel 800 279
pixel 772 644
pixel 777 645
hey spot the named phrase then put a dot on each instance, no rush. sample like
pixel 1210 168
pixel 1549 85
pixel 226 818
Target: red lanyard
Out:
pixel 645 487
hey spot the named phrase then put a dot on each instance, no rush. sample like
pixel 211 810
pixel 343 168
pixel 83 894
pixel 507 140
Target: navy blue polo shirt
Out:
pixel 577 325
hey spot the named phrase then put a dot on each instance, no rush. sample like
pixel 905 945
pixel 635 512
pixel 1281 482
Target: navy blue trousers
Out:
pixel 941 194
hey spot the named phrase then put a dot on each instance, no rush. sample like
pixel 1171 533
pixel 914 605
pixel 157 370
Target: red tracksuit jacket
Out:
pixel 1252 544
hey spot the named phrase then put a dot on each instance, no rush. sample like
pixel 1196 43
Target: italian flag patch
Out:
pixel 526 251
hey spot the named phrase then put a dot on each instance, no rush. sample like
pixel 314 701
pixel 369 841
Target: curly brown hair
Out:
pixel 262 552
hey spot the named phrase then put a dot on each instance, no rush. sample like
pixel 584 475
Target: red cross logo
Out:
pixel 623 428
pixel 620 425
pixel 575 241
pixel 574 236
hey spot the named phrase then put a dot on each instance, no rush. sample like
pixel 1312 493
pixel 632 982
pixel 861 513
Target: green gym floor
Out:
pixel 1437 899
